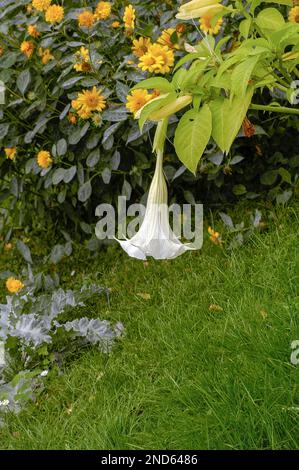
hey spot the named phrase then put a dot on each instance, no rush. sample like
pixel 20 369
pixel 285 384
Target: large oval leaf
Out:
pixel 192 136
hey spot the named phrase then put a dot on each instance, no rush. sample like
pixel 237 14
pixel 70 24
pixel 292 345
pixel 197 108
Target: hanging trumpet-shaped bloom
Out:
pixel 199 8
pixel 155 237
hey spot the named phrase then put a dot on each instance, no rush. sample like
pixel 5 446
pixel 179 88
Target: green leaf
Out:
pixel 85 191
pixel 239 189
pixel 57 253
pixel 280 2
pixel 179 78
pixel 24 250
pixel 58 176
pixel 23 80
pixel 93 158
pixel 228 116
pixel 61 147
pixel 69 174
pixel 71 82
pixel 244 27
pixel 269 177
pixel 270 19
pixel 241 75
pixel 192 136
pixel 187 58
pixel 158 83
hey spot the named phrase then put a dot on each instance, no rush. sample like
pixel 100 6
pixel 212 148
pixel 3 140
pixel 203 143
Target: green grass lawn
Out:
pixel 185 376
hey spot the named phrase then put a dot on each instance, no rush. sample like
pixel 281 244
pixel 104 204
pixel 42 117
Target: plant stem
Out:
pixel 275 109
pixel 160 136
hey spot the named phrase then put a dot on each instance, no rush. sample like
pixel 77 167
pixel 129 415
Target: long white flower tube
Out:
pixel 155 238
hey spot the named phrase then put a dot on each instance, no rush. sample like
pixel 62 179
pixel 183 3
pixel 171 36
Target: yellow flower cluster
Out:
pixel 139 98
pixel 129 18
pixel 44 159
pixel 207 25
pixel 140 46
pixel 82 60
pixel 27 47
pixel 45 55
pixel 103 10
pixel 158 59
pixel 169 38
pixel 10 152
pixel 87 18
pixel 214 236
pixel 72 118
pixel 8 247
pixel 41 5
pixel 294 15
pixel 89 102
pixel 13 285
pixel 54 14
pixel 33 31
pixel 115 24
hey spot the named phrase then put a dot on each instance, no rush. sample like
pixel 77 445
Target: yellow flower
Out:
pixel 83 60
pixel 45 55
pixel 72 118
pixel 29 8
pixel 294 15
pixel 115 24
pixel 40 5
pixel 8 247
pixel 86 19
pixel 89 101
pixel 158 59
pixel 137 99
pixel 10 152
pixel 44 159
pixel 33 31
pixel 84 114
pixel 54 14
pixel 103 10
pixel 140 46
pixel 199 8
pixel 129 17
pixel 27 47
pixel 13 285
pixel 214 236
pixel 166 38
pixel 206 25
pixel 97 119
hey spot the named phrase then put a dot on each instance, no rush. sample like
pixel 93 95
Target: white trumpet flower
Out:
pixel 199 8
pixel 155 237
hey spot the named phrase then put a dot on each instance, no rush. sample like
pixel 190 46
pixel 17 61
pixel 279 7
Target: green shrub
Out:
pixel 96 159
pixel 93 159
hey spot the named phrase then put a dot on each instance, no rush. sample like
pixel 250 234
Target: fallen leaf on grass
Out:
pixel 144 295
pixel 215 308
pixel 264 313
